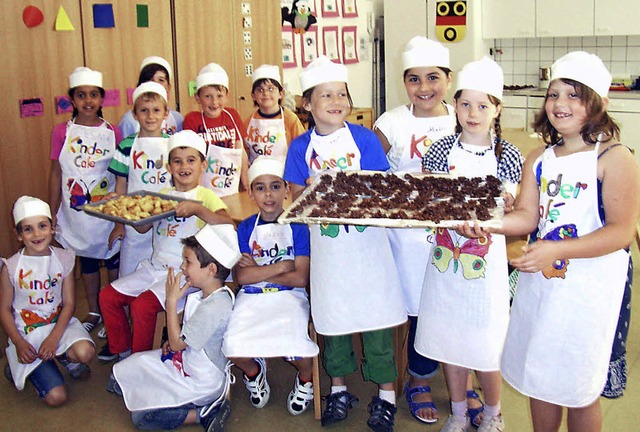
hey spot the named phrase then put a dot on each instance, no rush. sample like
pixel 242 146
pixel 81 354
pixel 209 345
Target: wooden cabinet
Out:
pixel 362 117
pixel 508 19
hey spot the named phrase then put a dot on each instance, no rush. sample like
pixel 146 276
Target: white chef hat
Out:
pixel 157 60
pixel 270 72
pixel 266 165
pixel 187 138
pixel 27 206
pixel 322 70
pixel 585 68
pixel 212 74
pixel 423 52
pixel 221 241
pixel 149 87
pixel 85 76
pixel 483 75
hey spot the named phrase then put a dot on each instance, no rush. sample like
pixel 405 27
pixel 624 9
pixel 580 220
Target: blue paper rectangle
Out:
pixel 103 15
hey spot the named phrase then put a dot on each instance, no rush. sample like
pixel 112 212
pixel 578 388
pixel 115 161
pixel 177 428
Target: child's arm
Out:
pixel 26 352
pixel 244 169
pixel 174 293
pixel 191 208
pixel 386 146
pixel 55 189
pixel 49 345
pixel 293 273
pixel 118 229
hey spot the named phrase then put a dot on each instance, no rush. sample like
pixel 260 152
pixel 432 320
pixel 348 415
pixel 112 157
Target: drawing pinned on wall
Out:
pixel 63 23
pixel 32 107
pixel 301 14
pixel 330 43
pixel 32 16
pixel 103 15
pixel 288 48
pixel 330 9
pixel 111 98
pixel 349 45
pixel 309 42
pixel 142 15
pixel 349 9
pixel 451 20
pixel 192 88
pixel 63 105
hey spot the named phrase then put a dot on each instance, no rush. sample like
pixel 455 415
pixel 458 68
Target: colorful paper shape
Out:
pixel 142 15
pixel 130 91
pixel 103 15
pixel 451 20
pixel 63 104
pixel 111 98
pixel 31 107
pixel 32 16
pixel 192 88
pixel 63 23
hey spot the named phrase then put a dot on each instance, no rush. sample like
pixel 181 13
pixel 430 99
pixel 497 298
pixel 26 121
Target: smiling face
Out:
pixel 427 88
pixel 186 166
pixel 212 100
pixel 36 233
pixel 87 100
pixel 161 78
pixel 267 95
pixel 330 105
pixel 150 110
pixel 194 274
pixel 476 113
pixel 565 109
pixel 269 192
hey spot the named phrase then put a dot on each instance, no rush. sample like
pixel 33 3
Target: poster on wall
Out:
pixel 451 20
pixel 330 43
pixel 349 9
pixel 349 46
pixel 301 14
pixel 288 48
pixel 309 42
pixel 330 9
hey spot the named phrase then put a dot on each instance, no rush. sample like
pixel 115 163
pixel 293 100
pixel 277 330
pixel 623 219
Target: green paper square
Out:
pixel 142 13
pixel 192 88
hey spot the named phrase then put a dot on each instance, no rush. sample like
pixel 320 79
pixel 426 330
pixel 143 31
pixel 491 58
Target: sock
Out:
pixel 387 395
pixel 338 389
pixel 459 408
pixel 492 410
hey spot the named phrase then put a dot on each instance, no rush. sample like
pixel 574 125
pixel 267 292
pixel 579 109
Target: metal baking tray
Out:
pixel 287 216
pixel 90 209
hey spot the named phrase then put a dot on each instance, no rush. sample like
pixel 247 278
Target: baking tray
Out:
pixel 90 209
pixel 287 216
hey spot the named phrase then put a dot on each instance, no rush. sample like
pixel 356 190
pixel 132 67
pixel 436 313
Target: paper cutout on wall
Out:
pixel 31 107
pixel 142 15
pixel 130 91
pixel 32 16
pixel 299 15
pixel 63 23
pixel 111 98
pixel 451 20
pixel 103 15
pixel 63 104
pixel 192 88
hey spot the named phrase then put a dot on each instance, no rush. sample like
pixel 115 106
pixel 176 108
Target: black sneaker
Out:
pixel 7 373
pixel 214 420
pixel 76 370
pixel 337 408
pixel 106 355
pixel 381 415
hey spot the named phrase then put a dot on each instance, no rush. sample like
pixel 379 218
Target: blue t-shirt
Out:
pixel 300 236
pixel 372 156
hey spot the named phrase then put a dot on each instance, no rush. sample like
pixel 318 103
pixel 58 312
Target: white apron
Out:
pixel 39 280
pixel 147 171
pixel 464 310
pixel 223 164
pixel 354 282
pixel 267 137
pixel 148 382
pixel 270 324
pixel 412 246
pixel 563 324
pixel 84 160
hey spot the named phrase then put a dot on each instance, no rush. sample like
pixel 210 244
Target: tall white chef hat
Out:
pixel 322 70
pixel 149 87
pixel 187 138
pixel 270 72
pixel 27 206
pixel 85 76
pixel 212 74
pixel 266 165
pixel 221 241
pixel 585 68
pixel 483 75
pixel 423 52
pixel 157 60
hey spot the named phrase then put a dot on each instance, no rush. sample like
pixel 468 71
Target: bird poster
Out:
pixel 299 14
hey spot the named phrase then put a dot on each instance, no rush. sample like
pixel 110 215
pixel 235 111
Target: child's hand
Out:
pixel 508 202
pixel 246 260
pixel 111 195
pixel 537 256
pixel 48 348
pixel 187 208
pixel 172 287
pixel 165 348
pixel 26 352
pixel 471 230
pixel 117 233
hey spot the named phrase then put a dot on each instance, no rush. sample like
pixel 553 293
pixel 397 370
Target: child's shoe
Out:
pixel 102 333
pixel 381 415
pixel 7 373
pixel 337 408
pixel 76 370
pixel 105 355
pixel 259 387
pixel 456 424
pixel 213 420
pixel 92 320
pixel 300 397
pixel 492 424
pixel 113 386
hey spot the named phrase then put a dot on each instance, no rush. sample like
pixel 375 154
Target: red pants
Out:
pixel 143 310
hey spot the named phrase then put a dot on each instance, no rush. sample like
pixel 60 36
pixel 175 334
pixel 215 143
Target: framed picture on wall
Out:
pixel 288 48
pixel 330 8
pixel 330 43
pixel 309 42
pixel 349 45
pixel 349 9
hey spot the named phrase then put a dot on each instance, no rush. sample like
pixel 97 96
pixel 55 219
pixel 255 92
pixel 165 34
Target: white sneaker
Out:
pixel 259 388
pixel 456 424
pixel 492 424
pixel 102 333
pixel 300 397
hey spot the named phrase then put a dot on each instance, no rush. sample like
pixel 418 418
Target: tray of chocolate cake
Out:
pixel 398 200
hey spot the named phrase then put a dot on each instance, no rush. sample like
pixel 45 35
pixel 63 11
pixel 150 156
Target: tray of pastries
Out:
pixel 135 208
pixel 398 200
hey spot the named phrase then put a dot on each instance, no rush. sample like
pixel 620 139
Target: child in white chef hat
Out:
pixel 464 308
pixel 186 381
pixel 37 302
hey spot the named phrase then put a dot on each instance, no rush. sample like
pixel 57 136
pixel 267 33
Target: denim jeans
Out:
pixel 419 366
pixel 161 418
pixel 45 377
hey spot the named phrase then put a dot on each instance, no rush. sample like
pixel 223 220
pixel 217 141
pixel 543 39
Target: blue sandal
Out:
pixel 474 413
pixel 415 406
